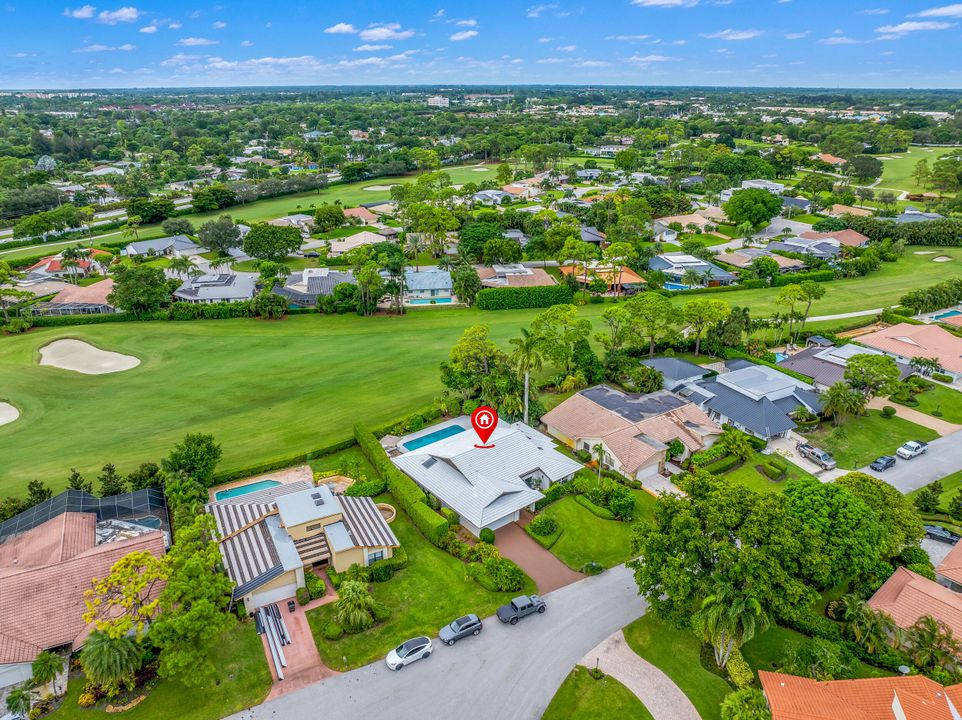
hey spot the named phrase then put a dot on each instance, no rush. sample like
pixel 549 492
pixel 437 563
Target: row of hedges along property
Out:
pixel 517 298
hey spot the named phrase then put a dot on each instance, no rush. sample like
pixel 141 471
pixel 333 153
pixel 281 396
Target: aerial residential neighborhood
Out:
pixel 536 362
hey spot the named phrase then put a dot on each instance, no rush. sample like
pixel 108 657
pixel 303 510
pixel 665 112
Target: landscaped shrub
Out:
pixel 335 577
pixel 597 510
pixel 367 488
pixel 453 545
pixel 772 472
pixel 942 377
pixel 487 536
pixel 556 491
pixel 381 571
pixel 357 573
pixel 592 568
pixel 738 670
pixel 399 559
pixel 432 501
pixel 332 631
pixel 431 525
pixel 912 555
pixel 505 574
pixel 479 552
pixel 315 585
pixel 516 298
pixel 452 517
pixel 543 525
pixel 303 596
pixel 720 467
pixel 888 411
pixel 924 569
pixel 381 612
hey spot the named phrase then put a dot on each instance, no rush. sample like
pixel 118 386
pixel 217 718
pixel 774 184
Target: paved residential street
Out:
pixel 508 672
pixel 944 457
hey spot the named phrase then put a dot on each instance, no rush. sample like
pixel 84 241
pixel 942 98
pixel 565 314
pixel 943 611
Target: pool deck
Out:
pixel 285 477
pixel 461 421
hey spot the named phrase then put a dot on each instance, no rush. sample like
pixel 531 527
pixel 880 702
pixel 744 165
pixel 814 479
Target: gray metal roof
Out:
pixel 761 417
pixel 180 243
pixel 674 370
pixel 634 407
pixel 591 234
pixel 313 503
pixel 427 280
pixel 338 537
pixel 665 264
pixel 911 215
pixel 223 287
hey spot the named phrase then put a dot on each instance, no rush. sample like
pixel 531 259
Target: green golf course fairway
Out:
pixel 266 389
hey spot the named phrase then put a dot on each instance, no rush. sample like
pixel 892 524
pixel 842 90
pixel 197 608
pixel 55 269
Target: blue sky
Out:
pixel 160 43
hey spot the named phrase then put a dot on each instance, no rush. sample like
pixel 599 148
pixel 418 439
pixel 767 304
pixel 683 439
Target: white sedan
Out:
pixel 407 652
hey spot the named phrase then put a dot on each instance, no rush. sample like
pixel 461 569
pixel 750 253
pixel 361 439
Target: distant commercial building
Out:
pixel 439 101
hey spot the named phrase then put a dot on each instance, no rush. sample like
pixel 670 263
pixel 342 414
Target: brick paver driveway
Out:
pixel 544 568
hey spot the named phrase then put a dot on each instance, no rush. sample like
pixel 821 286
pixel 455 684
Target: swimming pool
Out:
pixel 675 286
pixel 779 356
pixel 430 438
pixel 429 301
pixel 950 313
pixel 244 489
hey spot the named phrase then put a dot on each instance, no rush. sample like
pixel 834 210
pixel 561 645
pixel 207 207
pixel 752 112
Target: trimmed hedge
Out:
pixel 517 298
pixel 280 463
pixel 371 487
pixel 603 513
pixel 452 517
pixel 794 278
pixel 720 467
pixel 942 377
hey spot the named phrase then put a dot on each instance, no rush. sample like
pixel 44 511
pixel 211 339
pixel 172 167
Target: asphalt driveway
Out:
pixel 944 457
pixel 508 672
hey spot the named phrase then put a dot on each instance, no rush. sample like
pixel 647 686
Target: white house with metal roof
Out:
pixel 487 487
pixel 428 284
pixel 268 538
pixel 216 287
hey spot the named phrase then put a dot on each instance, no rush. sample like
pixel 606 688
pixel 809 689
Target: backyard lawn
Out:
pixel 753 479
pixel 676 653
pixel 585 537
pixel 243 679
pixel 950 486
pixel 581 697
pixel 430 592
pixel 940 399
pixel 768 651
pixel 860 440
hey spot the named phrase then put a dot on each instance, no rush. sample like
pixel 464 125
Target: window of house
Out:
pixel 375 556
pixel 310 528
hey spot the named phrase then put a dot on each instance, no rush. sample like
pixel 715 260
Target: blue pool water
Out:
pixel 950 313
pixel 675 286
pixel 780 356
pixel 428 301
pixel 244 489
pixel 430 438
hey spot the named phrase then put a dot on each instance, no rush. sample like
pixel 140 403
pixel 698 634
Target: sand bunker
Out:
pixel 942 258
pixel 8 413
pixel 480 169
pixel 924 252
pixel 84 358
pixel 379 188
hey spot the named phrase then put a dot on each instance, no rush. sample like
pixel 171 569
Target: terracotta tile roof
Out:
pixel 829 158
pixel 913 697
pixel 42 607
pixel 537 278
pixel 361 212
pixel 951 566
pixel 628 276
pixel 54 541
pixel 847 237
pixel 910 341
pixel 907 596
pixel 633 444
pixel 743 261
pixel 849 210
pixel 683 220
pixel 95 294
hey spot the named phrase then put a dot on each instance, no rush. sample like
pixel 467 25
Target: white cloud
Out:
pixel 380 32
pixel 81 13
pixel 439 15
pixel 797 35
pixel 148 29
pixel 97 47
pixel 567 48
pixel 467 22
pixel 175 26
pixel 549 61
pixel 545 39
pixel 120 15
pixel 180 59
pixel 650 58
pixel 218 25
pixel 463 35
pixel 838 40
pixel 628 38
pixel 954 10
pixel 729 34
pixel 196 41
pixel 592 63
pixel 372 48
pixel 377 61
pixel 247 43
pixel 341 29
pixel 538 10
pixel 664 3
pixel 22 55
pixel 913 26
pixel 874 11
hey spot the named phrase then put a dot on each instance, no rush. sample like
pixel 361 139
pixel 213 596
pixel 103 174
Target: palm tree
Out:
pixel 527 357
pixel 110 661
pixel 46 668
pixel 932 643
pixel 70 260
pixel 838 402
pixel 598 450
pixel 19 700
pixel 728 619
pixel 691 277
pixel 414 245
pixel 354 606
pixel 181 266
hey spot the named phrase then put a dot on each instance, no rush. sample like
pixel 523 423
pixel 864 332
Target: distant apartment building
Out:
pixel 439 101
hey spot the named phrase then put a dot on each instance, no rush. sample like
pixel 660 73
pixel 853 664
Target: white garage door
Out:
pixel 274 595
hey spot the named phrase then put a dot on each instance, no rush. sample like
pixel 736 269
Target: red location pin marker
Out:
pixel 484 420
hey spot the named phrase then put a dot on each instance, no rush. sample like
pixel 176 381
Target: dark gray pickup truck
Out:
pixel 520 607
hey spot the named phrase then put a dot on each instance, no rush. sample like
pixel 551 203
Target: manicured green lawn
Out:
pixel 807 218
pixel 344 461
pixel 581 697
pixel 768 650
pixel 243 679
pixel 751 478
pixel 860 440
pixel 897 172
pixel 677 654
pixel 950 486
pixel 585 537
pixel 430 592
pixel 938 398
pixel 706 239
pixel 266 390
